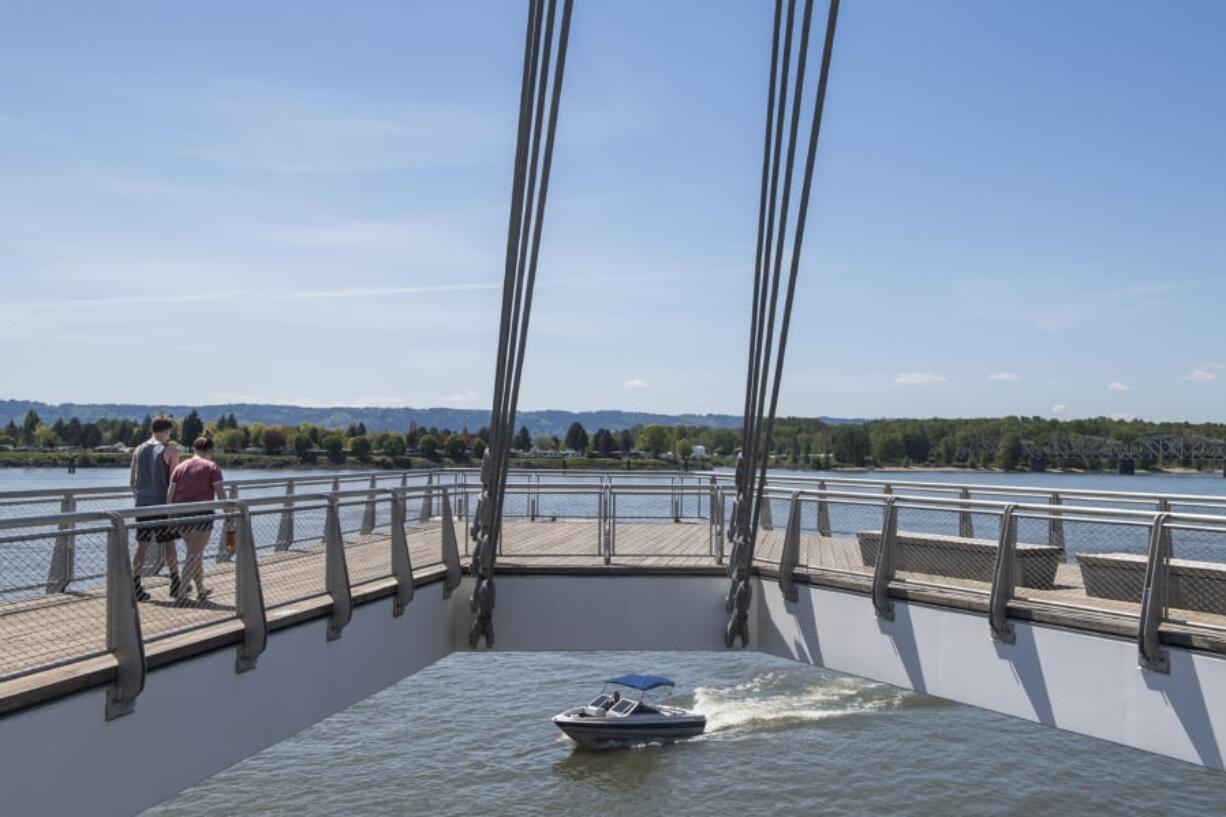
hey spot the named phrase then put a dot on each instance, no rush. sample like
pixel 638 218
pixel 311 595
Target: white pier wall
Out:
pixel 1077 681
pixel 199 716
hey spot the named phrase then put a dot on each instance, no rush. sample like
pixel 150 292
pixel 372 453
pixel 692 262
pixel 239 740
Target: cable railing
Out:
pixel 71 591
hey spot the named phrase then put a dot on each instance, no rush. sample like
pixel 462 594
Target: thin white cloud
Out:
pixel 918 378
pixel 1059 408
pixel 636 383
pixel 464 398
pixel 1200 375
pixel 1117 386
pixel 1004 377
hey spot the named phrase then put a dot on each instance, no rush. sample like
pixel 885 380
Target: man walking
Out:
pixel 152 462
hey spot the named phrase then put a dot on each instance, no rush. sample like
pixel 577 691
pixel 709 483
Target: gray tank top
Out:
pixel 152 474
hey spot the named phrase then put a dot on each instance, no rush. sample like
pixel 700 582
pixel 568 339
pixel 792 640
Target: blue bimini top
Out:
pixel 641 682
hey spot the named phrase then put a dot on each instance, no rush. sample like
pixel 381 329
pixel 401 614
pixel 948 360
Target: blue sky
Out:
pixel 1019 207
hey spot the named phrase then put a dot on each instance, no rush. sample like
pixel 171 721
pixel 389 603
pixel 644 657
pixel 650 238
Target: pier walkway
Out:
pixel 643 557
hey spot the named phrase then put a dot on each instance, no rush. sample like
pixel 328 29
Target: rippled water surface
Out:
pixel 471 735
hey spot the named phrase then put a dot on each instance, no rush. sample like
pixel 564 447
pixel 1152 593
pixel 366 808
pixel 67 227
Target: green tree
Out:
pixel 29 425
pixel 428 445
pixel 625 441
pixel 275 440
pixel 684 449
pixel 360 447
pixel 193 427
pixel 394 446
pixel 91 436
pixel 302 447
pixel 603 442
pixel 576 437
pixel 655 440
pixel 456 447
pixel 850 444
pixel 334 443
pixel 544 442
pixel 523 439
pixel 1009 451
pixel 888 447
pixel 230 440
pixel 479 447
pixel 45 437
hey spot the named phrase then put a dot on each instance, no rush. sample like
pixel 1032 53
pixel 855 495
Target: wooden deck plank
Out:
pixel 41 633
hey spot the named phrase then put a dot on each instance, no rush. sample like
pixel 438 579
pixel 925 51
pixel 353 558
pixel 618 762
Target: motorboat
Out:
pixel 617 718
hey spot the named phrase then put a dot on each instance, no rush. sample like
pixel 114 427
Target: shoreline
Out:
pixel 59 460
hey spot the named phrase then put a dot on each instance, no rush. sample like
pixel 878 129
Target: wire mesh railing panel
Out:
pixel 560 504
pixel 844 535
pixel 563 541
pixel 42 627
pixel 1101 566
pixel 289 545
pixel 182 585
pixel 368 556
pixel 930 548
pixel 647 506
pixel 1196 574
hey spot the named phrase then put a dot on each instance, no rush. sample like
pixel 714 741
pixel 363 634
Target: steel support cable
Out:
pixel 529 194
pixel 766 227
pixel 740 594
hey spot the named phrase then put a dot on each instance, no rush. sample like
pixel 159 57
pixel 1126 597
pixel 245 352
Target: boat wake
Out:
pixel 780 699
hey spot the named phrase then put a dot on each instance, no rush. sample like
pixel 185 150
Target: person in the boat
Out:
pixel 617 696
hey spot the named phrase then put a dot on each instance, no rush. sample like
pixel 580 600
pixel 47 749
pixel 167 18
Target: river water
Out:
pixel 471 735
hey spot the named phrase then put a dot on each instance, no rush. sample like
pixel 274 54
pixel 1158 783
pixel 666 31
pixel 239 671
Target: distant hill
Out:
pixel 549 421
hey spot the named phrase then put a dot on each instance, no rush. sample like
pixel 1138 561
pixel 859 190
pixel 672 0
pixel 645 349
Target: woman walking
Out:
pixel 196 480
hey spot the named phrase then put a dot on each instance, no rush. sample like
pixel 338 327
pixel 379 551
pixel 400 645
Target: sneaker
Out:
pixel 174 585
pixel 140 593
pixel 203 595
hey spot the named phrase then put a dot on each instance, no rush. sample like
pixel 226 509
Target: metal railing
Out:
pixel 69 593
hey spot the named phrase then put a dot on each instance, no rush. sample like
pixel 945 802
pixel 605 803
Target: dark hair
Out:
pixel 203 444
pixel 161 423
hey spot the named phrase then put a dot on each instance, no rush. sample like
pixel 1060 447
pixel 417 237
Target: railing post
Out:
pixel 336 484
pixel 791 551
pixel 1004 578
pixel 248 593
pixel 1055 525
pixel 368 512
pixel 285 529
pixel 675 499
pixel 765 522
pixel 606 522
pixel 336 571
pixel 612 523
pixel 883 574
pixel 63 558
pixel 534 499
pixel 966 521
pixel 123 632
pixel 1154 598
pixel 427 500
pixel 823 510
pixel 402 565
pixel 451 552
pixel 719 527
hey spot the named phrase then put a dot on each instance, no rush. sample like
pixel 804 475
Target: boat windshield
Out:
pixel 623 707
pixel 601 702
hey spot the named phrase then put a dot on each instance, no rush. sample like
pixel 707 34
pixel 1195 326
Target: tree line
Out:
pixel 802 442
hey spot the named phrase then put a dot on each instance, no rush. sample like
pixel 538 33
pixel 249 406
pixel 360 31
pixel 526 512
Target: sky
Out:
pixel 1019 208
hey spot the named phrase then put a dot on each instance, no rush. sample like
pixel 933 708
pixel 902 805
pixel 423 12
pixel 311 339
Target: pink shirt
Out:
pixel 194 479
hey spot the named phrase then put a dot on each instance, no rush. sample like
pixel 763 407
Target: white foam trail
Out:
pixel 764 702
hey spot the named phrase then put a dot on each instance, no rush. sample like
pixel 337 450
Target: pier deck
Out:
pixel 52 631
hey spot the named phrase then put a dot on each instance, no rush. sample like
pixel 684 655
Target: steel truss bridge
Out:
pixel 1081 449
